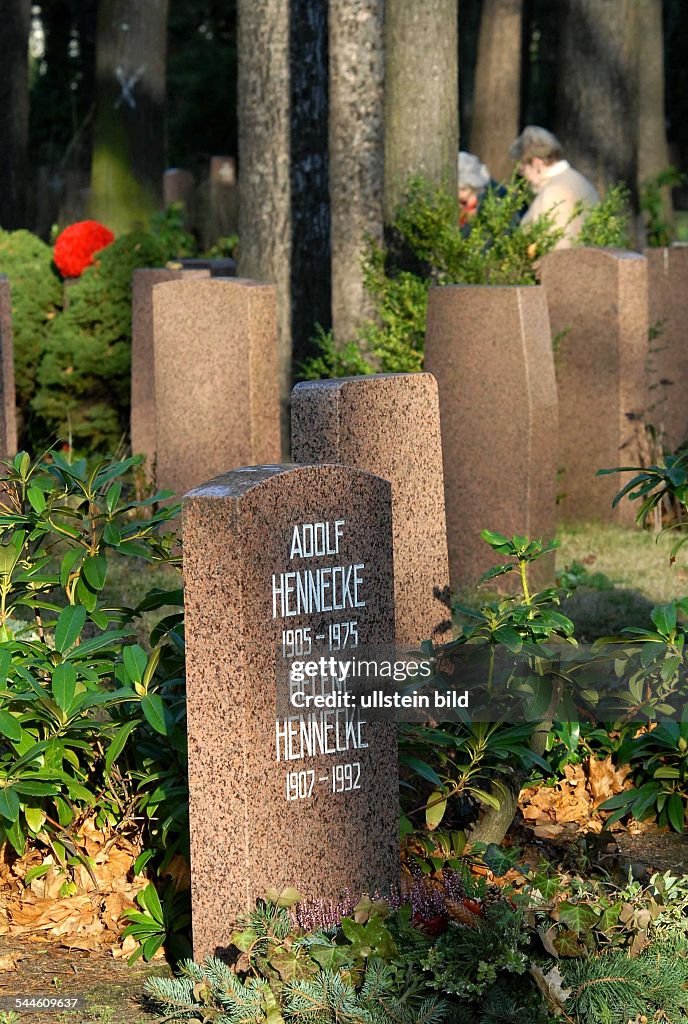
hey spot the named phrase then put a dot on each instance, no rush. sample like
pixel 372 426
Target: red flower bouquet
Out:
pixel 77 244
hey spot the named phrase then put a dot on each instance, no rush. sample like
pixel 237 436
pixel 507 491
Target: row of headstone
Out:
pixel 211 209
pixel 504 398
pixel 309 799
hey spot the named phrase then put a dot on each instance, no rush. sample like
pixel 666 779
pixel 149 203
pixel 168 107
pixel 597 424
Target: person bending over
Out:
pixel 558 187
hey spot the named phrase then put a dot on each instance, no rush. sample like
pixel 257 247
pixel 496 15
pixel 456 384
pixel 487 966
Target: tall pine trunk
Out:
pixel 653 149
pixel 14 111
pixel 129 130
pixel 356 152
pixel 421 95
pixel 497 89
pixel 598 89
pixel 283 179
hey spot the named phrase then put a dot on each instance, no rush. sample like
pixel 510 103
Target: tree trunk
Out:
pixel 310 201
pixel 14 111
pixel 129 132
pixel 598 89
pixel 356 152
pixel 283 208
pixel 497 89
pixel 421 95
pixel 653 150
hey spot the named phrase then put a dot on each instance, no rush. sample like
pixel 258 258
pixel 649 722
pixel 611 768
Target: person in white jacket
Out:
pixel 558 187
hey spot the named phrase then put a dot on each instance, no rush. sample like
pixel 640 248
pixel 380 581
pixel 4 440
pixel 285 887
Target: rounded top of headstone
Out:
pixel 239 482
pixel 369 380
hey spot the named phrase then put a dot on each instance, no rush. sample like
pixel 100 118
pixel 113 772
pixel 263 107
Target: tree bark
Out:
pixel 497 89
pixel 129 135
pixel 283 207
pixel 14 111
pixel 356 141
pixel 653 149
pixel 598 89
pixel 421 95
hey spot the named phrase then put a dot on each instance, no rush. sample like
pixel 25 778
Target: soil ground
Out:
pixel 110 990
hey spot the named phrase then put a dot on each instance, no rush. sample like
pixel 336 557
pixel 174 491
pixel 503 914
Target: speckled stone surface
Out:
pixel 216 383
pixel 246 836
pixel 667 270
pixel 490 350
pixel 8 408
pixel 389 424
pixel 142 422
pixel 599 296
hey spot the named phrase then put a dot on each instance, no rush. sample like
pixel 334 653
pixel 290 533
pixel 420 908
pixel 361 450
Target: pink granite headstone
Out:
pixel 597 302
pixel 389 424
pixel 8 408
pixel 216 381
pixel 143 360
pixel 490 349
pixel 668 360
pixel 309 800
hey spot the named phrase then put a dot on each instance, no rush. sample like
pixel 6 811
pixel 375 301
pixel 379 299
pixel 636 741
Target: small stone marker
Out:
pixel 224 197
pixel 277 558
pixel 668 360
pixel 490 349
pixel 216 381
pixel 142 423
pixel 597 302
pixel 8 407
pixel 389 424
pixel 178 187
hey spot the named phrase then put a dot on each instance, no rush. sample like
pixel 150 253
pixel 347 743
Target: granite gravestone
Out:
pixel 389 424
pixel 8 408
pixel 597 302
pixel 276 559
pixel 490 349
pixel 667 270
pixel 142 423
pixel 216 381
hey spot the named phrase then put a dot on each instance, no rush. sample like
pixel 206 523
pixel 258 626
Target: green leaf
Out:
pixel 487 798
pixel 68 628
pixel 421 768
pixel 112 535
pixel 151 901
pixel 664 618
pixel 579 917
pixel 94 571
pixel 67 564
pixel 676 812
pixel 87 597
pixel 36 499
pixel 508 636
pixel 434 811
pixel 153 708
pixel 10 726
pixel 9 804
pixel 118 743
pixel 135 661
pixel 64 685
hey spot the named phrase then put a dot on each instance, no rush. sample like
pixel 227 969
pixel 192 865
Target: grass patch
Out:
pixel 636 567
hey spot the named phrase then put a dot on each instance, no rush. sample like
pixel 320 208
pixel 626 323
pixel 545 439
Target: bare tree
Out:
pixel 284 209
pixel 421 95
pixel 497 89
pixel 14 111
pixel 653 149
pixel 598 89
pixel 356 151
pixel 129 132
